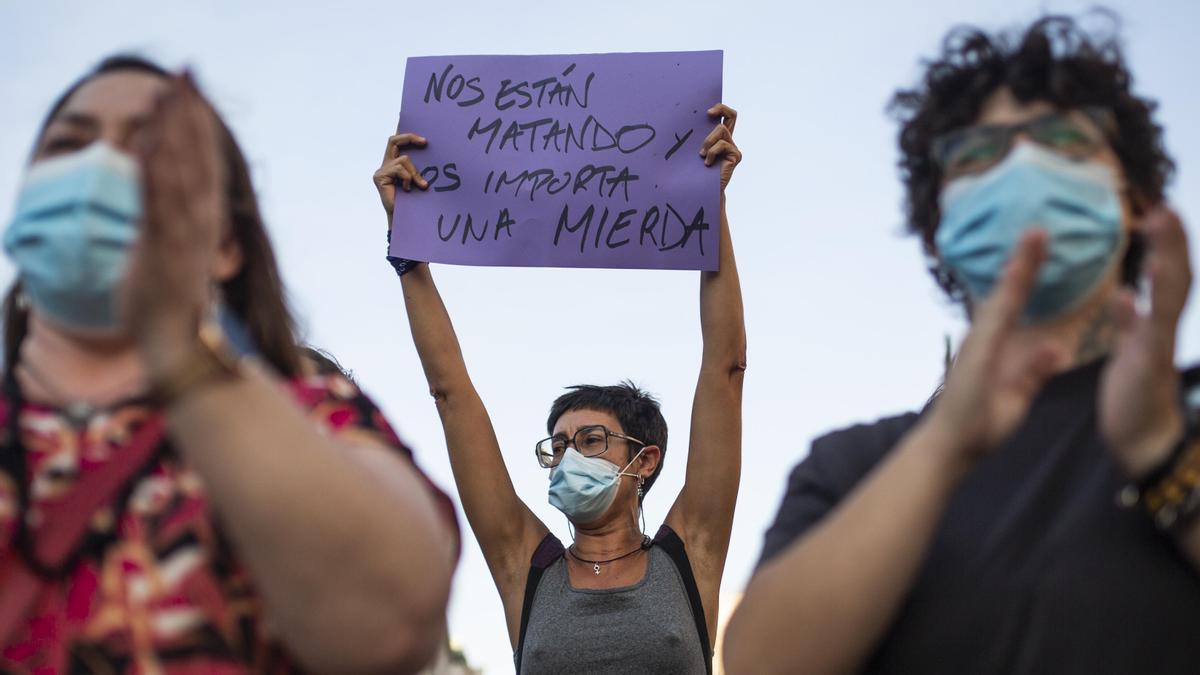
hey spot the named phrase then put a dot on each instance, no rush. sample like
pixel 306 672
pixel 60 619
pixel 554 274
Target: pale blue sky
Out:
pixel 843 322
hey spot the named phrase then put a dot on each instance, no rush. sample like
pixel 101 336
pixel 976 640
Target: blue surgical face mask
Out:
pixel 1076 203
pixel 584 487
pixel 75 221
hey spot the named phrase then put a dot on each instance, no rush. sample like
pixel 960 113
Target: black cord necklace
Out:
pixel 597 563
pixel 77 412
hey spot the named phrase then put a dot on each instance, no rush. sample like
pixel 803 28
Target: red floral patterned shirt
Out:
pixel 156 588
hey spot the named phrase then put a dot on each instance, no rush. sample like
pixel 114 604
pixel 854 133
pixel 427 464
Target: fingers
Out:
pixel 1129 327
pixel 1001 311
pixel 407 172
pixel 719 133
pixel 723 148
pixel 1123 311
pixel 727 115
pixel 183 170
pixel 1167 266
pixel 185 208
pixel 412 170
pixel 400 171
pixel 719 142
pixel 1031 369
pixel 401 140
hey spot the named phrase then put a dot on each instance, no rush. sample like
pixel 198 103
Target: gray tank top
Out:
pixel 649 627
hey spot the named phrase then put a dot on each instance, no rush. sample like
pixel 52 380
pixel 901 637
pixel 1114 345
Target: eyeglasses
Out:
pixel 975 149
pixel 589 441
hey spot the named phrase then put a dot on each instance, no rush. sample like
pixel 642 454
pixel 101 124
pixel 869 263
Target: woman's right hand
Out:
pixel 398 169
pixel 170 280
pixel 998 372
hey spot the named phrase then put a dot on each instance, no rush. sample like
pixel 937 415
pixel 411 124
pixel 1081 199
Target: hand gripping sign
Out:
pixel 577 160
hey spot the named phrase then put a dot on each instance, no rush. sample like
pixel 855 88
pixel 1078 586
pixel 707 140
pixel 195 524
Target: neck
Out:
pixel 1085 334
pixel 608 539
pixel 58 366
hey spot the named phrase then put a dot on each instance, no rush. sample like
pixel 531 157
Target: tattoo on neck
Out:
pixel 1096 338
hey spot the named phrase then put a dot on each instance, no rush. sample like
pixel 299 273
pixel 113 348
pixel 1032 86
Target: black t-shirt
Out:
pixel 1033 567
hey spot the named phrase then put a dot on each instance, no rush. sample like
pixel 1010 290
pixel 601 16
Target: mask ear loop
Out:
pixel 641 511
pixel 641 492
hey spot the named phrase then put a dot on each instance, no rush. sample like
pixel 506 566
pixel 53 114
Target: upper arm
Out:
pixel 806 500
pixel 507 530
pixel 401 477
pixel 832 468
pixel 367 440
pixel 702 514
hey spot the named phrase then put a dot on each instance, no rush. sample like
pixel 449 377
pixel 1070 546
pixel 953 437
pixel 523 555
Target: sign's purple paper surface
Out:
pixel 577 160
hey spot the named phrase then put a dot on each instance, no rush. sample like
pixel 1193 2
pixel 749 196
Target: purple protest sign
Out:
pixel 578 160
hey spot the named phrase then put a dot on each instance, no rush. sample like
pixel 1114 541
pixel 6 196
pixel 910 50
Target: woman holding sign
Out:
pixel 615 600
pixel 163 444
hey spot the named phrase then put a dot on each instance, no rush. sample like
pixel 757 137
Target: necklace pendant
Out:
pixel 79 413
pixel 596 567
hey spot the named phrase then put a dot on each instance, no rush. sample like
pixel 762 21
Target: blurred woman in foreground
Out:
pixel 175 496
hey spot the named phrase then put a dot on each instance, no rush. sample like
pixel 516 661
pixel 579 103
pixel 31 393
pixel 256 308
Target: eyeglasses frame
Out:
pixel 571 442
pixel 1103 118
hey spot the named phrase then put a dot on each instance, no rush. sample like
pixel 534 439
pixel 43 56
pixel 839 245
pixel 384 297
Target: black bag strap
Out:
pixel 672 545
pixel 544 555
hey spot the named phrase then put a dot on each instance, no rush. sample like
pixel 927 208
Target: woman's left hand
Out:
pixel 719 145
pixel 1141 415
pixel 185 211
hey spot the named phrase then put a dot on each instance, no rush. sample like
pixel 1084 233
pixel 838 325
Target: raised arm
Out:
pixel 507 530
pixel 821 605
pixel 703 512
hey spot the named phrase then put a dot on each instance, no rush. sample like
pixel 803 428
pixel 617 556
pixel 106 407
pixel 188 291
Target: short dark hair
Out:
pixel 1054 60
pixel 636 409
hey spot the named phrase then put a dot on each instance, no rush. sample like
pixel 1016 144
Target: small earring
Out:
pixel 641 492
pixel 642 518
pixel 216 295
pixel 22 300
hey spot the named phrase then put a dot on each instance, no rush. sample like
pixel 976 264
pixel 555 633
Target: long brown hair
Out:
pixel 255 294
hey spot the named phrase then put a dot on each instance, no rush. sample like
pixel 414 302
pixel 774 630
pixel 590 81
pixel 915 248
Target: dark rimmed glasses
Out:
pixel 1077 134
pixel 589 441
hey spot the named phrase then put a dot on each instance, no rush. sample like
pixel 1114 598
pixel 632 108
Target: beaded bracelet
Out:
pixel 1170 494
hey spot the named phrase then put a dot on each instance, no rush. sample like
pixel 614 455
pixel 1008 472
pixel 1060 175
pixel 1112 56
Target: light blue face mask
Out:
pixel 584 487
pixel 1076 203
pixel 75 221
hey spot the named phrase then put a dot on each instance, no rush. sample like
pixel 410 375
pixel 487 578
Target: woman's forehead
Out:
pixel 573 420
pixel 1002 107
pixel 117 98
